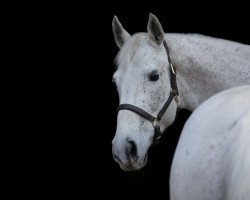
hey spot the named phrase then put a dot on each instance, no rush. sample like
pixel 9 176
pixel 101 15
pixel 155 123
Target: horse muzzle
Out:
pixel 127 157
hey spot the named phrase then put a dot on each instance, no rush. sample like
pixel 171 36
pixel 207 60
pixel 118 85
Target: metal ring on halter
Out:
pixel 156 122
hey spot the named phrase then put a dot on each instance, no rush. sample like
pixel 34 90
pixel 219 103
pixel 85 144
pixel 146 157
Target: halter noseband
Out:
pixel 174 93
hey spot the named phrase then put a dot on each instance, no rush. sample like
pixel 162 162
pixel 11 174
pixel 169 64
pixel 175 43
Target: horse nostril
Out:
pixel 132 150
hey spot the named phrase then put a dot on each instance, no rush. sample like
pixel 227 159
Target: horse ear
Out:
pixel 120 34
pixel 155 30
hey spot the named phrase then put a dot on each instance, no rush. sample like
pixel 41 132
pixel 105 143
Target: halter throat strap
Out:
pixel 174 93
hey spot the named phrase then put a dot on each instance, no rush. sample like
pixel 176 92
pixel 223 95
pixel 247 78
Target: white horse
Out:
pixel 145 78
pixel 212 159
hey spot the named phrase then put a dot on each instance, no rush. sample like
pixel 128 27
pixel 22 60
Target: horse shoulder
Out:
pixel 237 167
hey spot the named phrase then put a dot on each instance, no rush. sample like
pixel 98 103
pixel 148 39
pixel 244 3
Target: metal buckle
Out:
pixel 172 68
pixel 156 122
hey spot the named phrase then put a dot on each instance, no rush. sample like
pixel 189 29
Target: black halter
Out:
pixel 174 93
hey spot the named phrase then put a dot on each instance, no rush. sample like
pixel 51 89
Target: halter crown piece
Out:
pixel 174 94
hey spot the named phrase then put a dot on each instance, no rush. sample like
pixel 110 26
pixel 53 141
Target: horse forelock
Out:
pixel 127 52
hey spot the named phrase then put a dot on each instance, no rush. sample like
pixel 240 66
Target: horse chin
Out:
pixel 133 165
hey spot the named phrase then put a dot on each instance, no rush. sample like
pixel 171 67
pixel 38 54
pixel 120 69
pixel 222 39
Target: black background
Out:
pixel 86 100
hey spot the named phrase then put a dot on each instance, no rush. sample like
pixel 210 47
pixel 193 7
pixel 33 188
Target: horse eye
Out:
pixel 153 76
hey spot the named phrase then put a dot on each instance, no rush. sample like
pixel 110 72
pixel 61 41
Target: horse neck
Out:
pixel 206 66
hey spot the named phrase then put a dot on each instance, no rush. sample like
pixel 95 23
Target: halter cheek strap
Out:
pixel 174 93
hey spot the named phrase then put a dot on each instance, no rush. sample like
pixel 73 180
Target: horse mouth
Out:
pixel 133 165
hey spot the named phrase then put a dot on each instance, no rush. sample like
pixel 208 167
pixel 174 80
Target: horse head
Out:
pixel 145 84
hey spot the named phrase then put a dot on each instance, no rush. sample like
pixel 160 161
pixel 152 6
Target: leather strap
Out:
pixel 166 105
pixel 172 70
pixel 136 110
